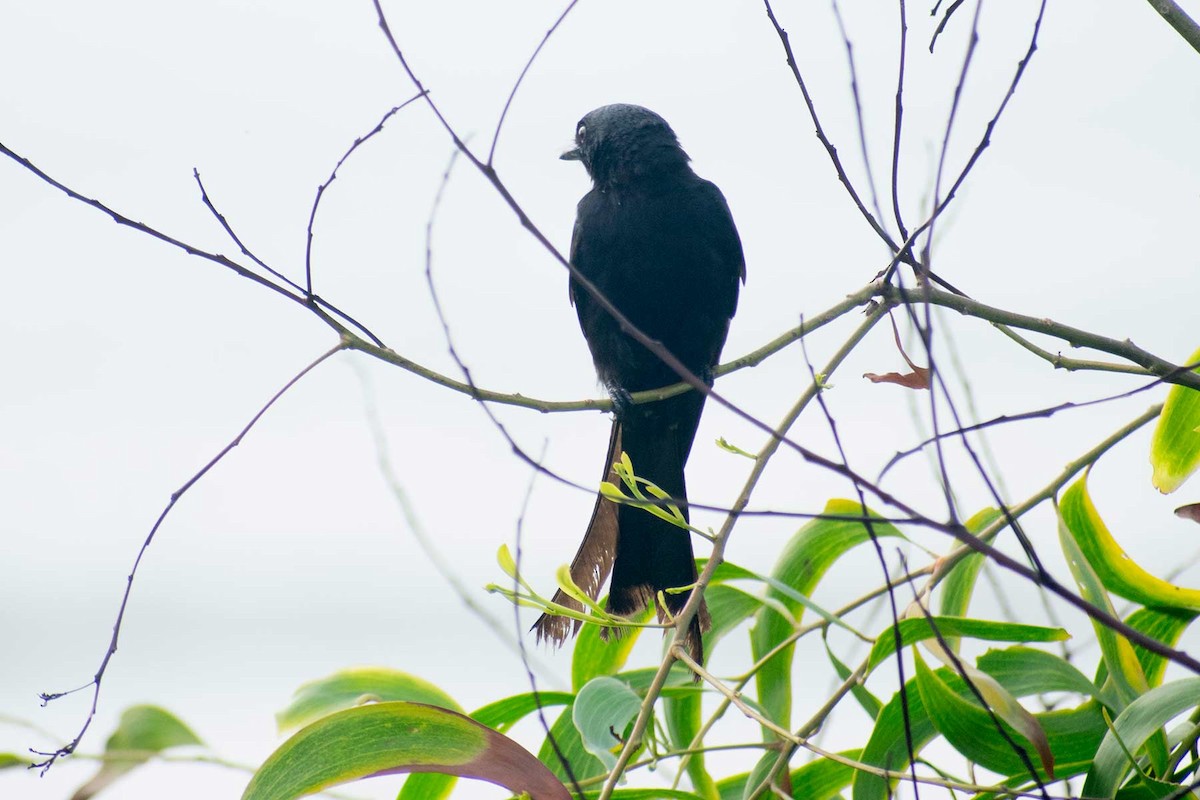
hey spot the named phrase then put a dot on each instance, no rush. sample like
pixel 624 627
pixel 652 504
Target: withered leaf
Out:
pixel 1190 511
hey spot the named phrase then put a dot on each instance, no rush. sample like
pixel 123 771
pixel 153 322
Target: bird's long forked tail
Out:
pixel 649 554
pixel 593 561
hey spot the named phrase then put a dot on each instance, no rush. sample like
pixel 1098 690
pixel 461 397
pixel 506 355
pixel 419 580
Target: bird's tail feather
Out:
pixel 654 555
pixel 645 554
pixel 594 559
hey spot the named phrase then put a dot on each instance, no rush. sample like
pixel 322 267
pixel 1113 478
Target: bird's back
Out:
pixel 665 251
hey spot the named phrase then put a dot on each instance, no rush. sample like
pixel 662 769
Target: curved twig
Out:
pixel 69 748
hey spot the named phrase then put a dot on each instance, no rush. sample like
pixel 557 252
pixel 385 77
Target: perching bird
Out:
pixel 659 242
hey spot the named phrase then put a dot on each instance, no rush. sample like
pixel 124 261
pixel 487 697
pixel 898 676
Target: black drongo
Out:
pixel 659 243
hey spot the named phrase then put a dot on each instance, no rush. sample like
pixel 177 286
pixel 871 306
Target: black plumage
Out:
pixel 659 243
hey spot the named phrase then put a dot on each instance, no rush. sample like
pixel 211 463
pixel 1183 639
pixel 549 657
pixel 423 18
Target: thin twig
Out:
pixel 121 219
pixel 986 139
pixel 685 616
pixel 69 748
pixel 887 577
pixel 858 112
pixel 1178 19
pixel 751 359
pixel 440 563
pixel 246 251
pixel 519 630
pixel 945 19
pixel 1003 419
pixel 224 223
pixel 312 215
pixel 898 125
pixel 875 224
pixel 972 42
pixel 1075 337
pixel 520 78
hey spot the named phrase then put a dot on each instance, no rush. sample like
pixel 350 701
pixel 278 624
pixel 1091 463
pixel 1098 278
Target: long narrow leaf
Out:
pixel 801 566
pixel 398 737
pixel 1175 445
pixel 958 587
pixel 1117 652
pixel 350 687
pixel 1142 719
pixel 1119 573
pixel 503 714
pixel 916 629
pixel 143 730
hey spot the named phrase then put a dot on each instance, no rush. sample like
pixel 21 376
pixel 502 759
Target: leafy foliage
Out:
pixel 1019 716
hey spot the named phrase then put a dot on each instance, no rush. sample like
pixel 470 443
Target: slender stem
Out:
pixel 947 562
pixel 751 359
pixel 684 617
pixel 1076 337
pixel 1178 19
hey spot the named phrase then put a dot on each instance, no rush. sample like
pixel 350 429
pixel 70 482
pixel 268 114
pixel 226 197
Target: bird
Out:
pixel 659 242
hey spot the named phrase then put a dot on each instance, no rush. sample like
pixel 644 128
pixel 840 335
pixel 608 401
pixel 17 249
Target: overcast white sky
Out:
pixel 127 364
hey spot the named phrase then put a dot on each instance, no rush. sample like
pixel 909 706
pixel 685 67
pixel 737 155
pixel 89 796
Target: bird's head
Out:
pixel 622 143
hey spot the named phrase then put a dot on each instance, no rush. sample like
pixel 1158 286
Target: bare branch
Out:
pixel 525 70
pixel 69 748
pixel 899 122
pixel 1076 337
pixel 1178 19
pixel 312 216
pixel 875 224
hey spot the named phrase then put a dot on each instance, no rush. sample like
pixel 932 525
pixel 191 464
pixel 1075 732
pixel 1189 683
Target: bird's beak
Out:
pixel 574 154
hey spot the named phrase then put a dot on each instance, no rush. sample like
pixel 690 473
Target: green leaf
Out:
pixel 603 710
pixel 729 607
pixel 821 779
pixel 1024 671
pixel 150 728
pixel 1150 789
pixel 142 731
pixel 762 768
pixel 1115 569
pixel 8 760
pixel 595 655
pixel 1124 668
pixel 887 747
pixel 1175 445
pixel 1118 655
pixel 728 571
pixel 350 687
pixel 570 747
pixel 917 629
pixel 804 561
pixel 397 737
pixel 1164 624
pixel 869 702
pixel 684 716
pixel 959 585
pixel 968 727
pixel 781 589
pixel 427 786
pixel 1135 726
pixel 1071 735
pixel 503 714
pixel 649 794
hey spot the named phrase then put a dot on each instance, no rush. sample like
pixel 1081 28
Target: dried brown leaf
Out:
pixel 1190 511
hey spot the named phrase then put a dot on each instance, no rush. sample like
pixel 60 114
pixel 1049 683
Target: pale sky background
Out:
pixel 127 364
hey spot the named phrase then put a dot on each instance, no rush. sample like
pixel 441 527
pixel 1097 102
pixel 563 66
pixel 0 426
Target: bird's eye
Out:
pixel 580 132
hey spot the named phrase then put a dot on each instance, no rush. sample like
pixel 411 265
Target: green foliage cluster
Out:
pixel 1123 731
